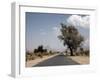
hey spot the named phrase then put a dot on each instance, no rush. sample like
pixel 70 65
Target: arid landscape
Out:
pixel 44 58
pixel 78 59
pixel 56 39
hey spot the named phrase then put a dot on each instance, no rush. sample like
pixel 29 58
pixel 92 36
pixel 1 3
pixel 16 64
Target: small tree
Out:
pixel 40 48
pixel 70 37
pixel 35 50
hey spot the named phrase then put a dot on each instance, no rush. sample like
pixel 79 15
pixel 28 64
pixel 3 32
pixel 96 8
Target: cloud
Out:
pixel 56 30
pixel 86 43
pixel 78 21
pixel 42 32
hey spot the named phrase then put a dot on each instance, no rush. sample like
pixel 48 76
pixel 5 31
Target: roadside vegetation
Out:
pixel 72 40
pixel 38 53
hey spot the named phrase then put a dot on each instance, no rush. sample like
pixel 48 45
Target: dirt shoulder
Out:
pixel 81 59
pixel 38 60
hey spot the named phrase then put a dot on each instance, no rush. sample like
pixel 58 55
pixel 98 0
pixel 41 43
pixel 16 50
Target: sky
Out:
pixel 43 29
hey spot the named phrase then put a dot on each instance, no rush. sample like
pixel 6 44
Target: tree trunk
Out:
pixel 71 51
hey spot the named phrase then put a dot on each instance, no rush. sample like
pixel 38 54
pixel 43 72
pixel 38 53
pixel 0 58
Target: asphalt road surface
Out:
pixel 57 61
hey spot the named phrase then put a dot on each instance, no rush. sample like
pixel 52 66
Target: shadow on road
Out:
pixel 57 61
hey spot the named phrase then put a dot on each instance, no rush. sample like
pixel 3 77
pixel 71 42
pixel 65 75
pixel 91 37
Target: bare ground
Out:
pixel 38 60
pixel 81 59
pixel 78 59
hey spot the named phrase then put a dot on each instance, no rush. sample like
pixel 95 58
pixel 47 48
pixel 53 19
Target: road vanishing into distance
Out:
pixel 57 61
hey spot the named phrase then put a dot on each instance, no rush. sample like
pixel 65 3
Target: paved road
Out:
pixel 57 61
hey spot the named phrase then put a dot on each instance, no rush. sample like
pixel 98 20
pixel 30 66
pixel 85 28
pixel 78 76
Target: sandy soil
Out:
pixel 36 61
pixel 78 59
pixel 81 59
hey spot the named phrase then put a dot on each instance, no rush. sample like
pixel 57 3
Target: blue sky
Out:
pixel 43 29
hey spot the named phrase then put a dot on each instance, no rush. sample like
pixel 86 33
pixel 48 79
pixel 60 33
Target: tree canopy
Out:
pixel 70 37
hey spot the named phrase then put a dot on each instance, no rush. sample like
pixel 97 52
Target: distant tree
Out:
pixel 35 50
pixel 45 50
pixel 70 37
pixel 27 53
pixel 40 48
pixel 51 52
pixel 40 51
pixel 87 52
pixel 81 51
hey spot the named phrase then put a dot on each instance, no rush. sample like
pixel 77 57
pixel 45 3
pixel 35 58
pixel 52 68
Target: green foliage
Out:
pixel 70 37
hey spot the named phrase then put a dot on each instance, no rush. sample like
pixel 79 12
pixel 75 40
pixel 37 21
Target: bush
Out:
pixel 87 52
pixel 30 56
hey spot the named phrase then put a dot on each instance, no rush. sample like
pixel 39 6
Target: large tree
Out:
pixel 70 37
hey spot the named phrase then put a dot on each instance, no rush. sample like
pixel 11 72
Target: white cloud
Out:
pixel 79 21
pixel 42 32
pixel 86 43
pixel 56 30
